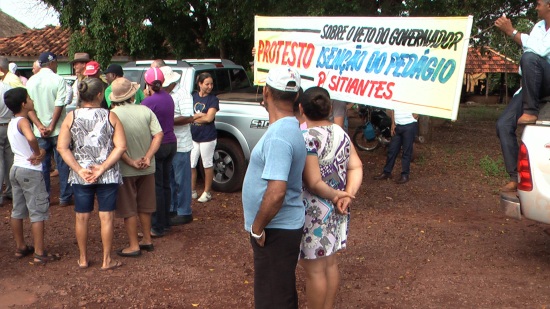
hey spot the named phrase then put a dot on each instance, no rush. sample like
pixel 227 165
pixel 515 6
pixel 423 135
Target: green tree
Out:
pixel 225 28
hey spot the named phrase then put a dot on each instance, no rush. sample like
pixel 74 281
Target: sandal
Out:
pixel 19 254
pixel 112 266
pixel 43 259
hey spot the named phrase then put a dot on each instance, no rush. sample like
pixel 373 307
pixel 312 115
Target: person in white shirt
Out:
pixel 49 93
pixel 180 176
pixel 403 130
pixel 79 65
pixel 535 71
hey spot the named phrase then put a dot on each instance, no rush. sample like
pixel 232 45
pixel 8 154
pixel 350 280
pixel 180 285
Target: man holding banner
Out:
pixel 535 71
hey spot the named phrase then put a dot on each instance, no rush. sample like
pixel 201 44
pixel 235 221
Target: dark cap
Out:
pixel 46 57
pixel 115 69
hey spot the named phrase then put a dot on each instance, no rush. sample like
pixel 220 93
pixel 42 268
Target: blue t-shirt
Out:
pixel 279 155
pixel 204 132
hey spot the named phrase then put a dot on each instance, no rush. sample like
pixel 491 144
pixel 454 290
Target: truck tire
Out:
pixel 229 166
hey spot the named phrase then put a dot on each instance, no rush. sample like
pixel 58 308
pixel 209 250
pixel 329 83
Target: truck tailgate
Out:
pixel 535 204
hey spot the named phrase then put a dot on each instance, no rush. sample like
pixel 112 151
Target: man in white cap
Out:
pixel 49 92
pixel 274 213
pixel 180 175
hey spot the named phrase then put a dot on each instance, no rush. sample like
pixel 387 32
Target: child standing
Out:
pixel 30 198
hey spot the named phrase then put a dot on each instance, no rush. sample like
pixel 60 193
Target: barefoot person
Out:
pixel 30 198
pixel 98 143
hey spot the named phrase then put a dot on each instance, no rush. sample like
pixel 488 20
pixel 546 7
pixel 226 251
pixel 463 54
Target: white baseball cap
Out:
pixel 280 78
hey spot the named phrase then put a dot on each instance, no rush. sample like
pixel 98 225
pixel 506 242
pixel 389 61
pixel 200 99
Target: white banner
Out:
pixel 410 63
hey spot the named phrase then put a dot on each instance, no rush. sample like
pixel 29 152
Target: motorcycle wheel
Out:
pixel 362 143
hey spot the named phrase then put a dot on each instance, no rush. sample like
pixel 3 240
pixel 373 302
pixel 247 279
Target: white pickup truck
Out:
pixel 532 200
pixel 241 121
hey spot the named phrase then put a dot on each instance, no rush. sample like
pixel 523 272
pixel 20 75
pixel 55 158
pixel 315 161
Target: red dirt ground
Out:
pixel 439 241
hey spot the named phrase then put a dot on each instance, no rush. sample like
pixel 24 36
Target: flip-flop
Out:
pixel 82 266
pixel 19 254
pixel 116 265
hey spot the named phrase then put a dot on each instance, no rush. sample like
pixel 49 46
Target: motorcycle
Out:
pixel 375 130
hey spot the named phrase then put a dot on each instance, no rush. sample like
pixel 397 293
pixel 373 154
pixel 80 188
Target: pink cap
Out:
pixel 92 68
pixel 154 74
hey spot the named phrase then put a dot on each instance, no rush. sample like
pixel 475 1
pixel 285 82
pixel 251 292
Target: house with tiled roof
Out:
pixel 25 48
pixel 10 26
pixel 481 62
pixel 487 60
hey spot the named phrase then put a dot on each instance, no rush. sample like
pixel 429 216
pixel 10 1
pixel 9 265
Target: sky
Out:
pixel 32 13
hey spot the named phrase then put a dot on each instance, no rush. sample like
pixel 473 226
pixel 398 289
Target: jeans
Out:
pixel 275 269
pixel 534 81
pixel 404 137
pixel 85 195
pixel 180 182
pixel 6 160
pixel 163 165
pixel 49 144
pixel 507 124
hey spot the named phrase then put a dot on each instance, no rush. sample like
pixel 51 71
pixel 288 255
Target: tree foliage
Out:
pixel 225 28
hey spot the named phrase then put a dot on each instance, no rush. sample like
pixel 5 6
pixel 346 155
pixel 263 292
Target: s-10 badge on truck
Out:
pixel 259 124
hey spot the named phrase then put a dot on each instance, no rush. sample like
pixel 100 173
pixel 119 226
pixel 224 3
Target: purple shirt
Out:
pixel 162 104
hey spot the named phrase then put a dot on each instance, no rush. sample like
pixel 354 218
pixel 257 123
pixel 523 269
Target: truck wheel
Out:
pixel 229 166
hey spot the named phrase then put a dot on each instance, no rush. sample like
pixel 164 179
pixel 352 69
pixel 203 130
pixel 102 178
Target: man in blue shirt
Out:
pixel 273 209
pixel 535 71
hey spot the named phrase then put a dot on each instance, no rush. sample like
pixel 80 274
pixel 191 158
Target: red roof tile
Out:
pixel 34 42
pixel 490 61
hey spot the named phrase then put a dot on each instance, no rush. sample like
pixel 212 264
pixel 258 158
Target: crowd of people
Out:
pixel 101 151
pixel 297 192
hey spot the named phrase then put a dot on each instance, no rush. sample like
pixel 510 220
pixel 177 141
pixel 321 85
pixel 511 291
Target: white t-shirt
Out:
pixel 403 117
pixel 20 147
pixel 183 106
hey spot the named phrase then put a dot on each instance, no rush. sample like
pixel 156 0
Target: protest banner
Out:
pixel 411 63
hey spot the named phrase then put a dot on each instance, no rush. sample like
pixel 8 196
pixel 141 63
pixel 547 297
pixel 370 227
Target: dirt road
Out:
pixel 439 241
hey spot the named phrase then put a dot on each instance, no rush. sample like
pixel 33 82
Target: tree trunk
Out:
pixel 424 129
pixel 486 87
pixel 223 51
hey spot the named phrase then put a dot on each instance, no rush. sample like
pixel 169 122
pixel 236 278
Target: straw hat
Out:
pixel 122 89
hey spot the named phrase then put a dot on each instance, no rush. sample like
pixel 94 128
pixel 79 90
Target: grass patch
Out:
pixel 480 112
pixel 491 167
pixel 469 161
pixel 420 159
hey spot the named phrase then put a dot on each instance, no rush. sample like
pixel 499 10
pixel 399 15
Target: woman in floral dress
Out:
pixel 332 166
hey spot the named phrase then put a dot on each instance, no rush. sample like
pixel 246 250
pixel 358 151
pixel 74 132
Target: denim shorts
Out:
pixel 84 197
